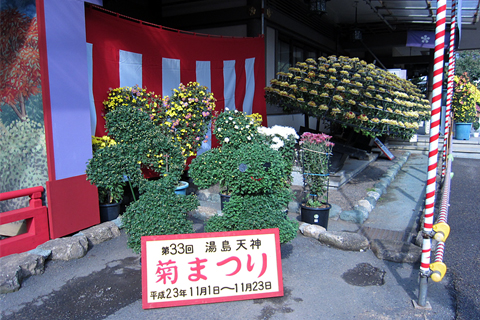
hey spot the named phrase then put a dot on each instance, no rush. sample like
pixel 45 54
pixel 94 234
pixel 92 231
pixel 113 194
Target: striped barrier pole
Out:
pixel 441 228
pixel 433 150
pixel 451 74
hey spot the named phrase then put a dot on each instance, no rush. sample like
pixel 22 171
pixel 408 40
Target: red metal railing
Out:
pixel 36 218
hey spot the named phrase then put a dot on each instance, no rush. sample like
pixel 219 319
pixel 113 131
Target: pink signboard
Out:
pixel 202 268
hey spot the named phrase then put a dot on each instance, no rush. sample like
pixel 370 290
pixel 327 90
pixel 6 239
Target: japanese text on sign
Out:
pixel 210 267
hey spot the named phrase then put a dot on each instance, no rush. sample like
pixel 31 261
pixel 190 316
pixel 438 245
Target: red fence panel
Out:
pixel 37 222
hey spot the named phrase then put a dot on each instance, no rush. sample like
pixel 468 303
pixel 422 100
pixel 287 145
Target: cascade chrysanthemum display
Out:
pixel 352 92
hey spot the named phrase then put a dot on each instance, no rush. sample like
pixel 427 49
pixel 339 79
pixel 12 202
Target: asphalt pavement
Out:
pixel 462 246
pixel 320 282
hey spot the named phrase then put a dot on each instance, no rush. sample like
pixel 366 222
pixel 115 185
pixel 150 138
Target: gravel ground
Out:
pixel 356 189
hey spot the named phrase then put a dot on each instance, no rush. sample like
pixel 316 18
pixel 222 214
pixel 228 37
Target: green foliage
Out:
pixel 254 212
pixel 138 143
pixel 159 211
pixel 256 169
pixel 252 166
pixel 23 159
pixel 251 160
pixel 108 170
pixel 250 169
pixel 207 169
pixel 468 61
pixel 476 125
pixel 465 98
pixel 127 124
pixel 234 128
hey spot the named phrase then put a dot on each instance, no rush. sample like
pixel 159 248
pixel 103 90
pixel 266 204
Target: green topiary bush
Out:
pixel 255 212
pixel 158 211
pixel 254 166
pixel 139 143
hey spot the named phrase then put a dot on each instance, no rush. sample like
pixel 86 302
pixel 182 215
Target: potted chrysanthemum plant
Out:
pixel 316 149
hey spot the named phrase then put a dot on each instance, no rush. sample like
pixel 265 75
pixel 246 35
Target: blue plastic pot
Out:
pixel 182 188
pixel 462 131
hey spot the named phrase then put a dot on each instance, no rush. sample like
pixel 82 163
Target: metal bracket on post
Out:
pixel 428 234
pixel 442 230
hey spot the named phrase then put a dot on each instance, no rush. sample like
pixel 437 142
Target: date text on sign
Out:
pixel 199 268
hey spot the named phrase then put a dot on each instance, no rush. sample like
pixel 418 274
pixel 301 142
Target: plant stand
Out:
pixel 316 215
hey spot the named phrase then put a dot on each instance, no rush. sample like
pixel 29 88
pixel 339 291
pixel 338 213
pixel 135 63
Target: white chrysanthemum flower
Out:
pixel 262 130
pixel 284 131
pixel 277 143
pixel 226 139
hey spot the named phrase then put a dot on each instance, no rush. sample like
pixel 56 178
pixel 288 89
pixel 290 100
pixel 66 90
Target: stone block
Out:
pixel 358 215
pixel 313 230
pixel 374 194
pixel 302 226
pixel 44 253
pixel 118 222
pixel 344 240
pixel 101 232
pixel 16 267
pixel 386 180
pixel 381 185
pixel 203 213
pixel 335 211
pixel 365 204
pixel 372 201
pixel 67 248
pixel 362 214
pixel 349 215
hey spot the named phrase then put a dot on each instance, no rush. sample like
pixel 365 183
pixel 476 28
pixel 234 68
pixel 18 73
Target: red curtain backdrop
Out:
pixel 109 33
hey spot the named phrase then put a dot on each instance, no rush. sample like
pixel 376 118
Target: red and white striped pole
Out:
pixel 451 74
pixel 433 149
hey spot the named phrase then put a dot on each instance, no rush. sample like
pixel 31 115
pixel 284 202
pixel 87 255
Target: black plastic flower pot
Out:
pixel 318 216
pixel 109 211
